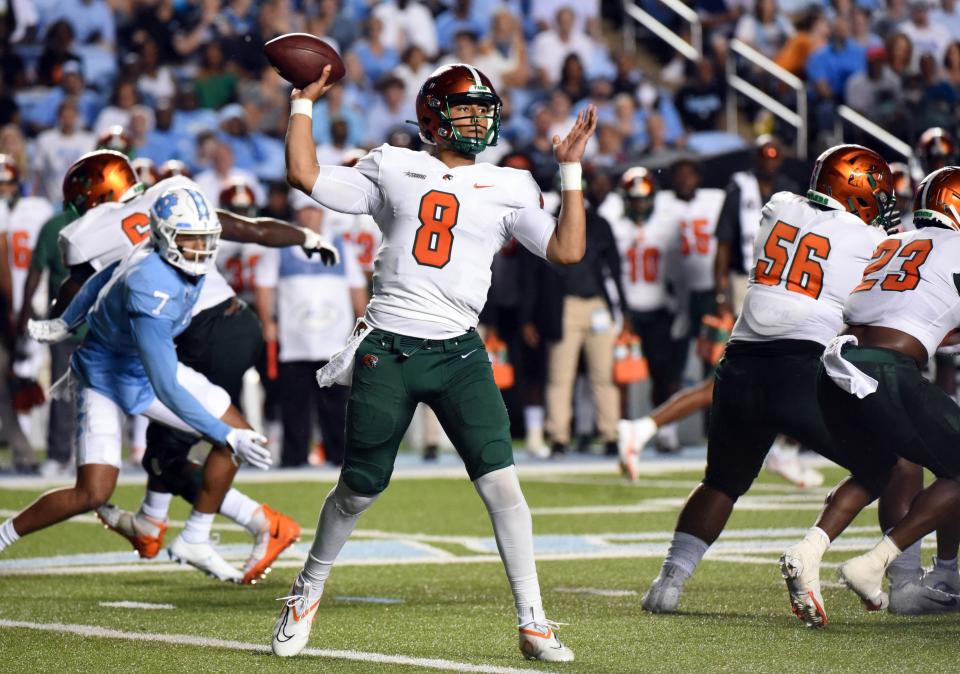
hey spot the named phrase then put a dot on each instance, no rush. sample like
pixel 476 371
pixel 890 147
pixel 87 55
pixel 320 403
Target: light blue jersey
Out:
pixel 138 306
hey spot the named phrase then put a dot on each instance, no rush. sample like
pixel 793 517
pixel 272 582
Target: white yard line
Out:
pixel 599 592
pixel 96 631
pixel 139 605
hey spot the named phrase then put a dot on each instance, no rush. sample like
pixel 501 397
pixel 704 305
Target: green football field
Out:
pixel 420 588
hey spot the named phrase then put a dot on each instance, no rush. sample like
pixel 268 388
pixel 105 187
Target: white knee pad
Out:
pixel 349 502
pixel 500 489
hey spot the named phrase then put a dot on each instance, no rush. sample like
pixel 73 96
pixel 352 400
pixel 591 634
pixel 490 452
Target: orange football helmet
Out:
pixel 447 87
pixel 856 179
pixel 146 171
pixel 938 199
pixel 174 167
pixel 117 139
pixel 9 180
pixel 637 183
pixel 237 197
pixel 936 149
pixel 98 177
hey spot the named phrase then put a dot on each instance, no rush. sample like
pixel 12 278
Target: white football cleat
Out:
pixel 864 575
pixel 292 629
pixel 539 641
pixel 203 557
pixel 942 579
pixel 627 449
pixel 664 593
pixel 784 460
pixel 800 568
pixel 909 596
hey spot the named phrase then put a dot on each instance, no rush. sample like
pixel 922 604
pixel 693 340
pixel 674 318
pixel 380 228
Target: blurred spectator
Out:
pixel 92 21
pixel 341 27
pixel 413 70
pixel 14 146
pixel 39 109
pixel 861 31
pixel 163 142
pixel 314 308
pixel 190 118
pixel 947 16
pixel 610 146
pixel 900 55
pixel 252 150
pixel 223 172
pixel 812 31
pixel 573 80
pixel 388 111
pixel 934 99
pixel 926 37
pixel 266 99
pixel 828 70
pixel 586 13
pixel 701 101
pixel 406 22
pixel 155 81
pixel 57 49
pixel 951 64
pixel 459 17
pixel 375 56
pixel 58 148
pixel 765 29
pixel 627 77
pixel 877 91
pixel 569 309
pixel 215 84
pixel 124 98
pixel 891 16
pixel 551 47
pixel 334 106
pixel 332 154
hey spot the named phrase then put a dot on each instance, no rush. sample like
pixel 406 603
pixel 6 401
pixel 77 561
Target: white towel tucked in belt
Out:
pixel 844 373
pixel 339 370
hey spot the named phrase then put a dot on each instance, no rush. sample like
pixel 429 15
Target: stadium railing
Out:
pixel 692 50
pixel 847 114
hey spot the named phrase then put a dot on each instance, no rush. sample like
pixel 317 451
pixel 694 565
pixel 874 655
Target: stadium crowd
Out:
pixel 183 87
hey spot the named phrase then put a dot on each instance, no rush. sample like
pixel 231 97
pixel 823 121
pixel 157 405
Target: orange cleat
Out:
pixel 277 533
pixel 144 533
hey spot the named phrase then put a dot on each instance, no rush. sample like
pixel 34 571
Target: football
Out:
pixel 301 57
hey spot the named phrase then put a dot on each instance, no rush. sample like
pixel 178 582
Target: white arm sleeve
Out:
pixel 532 227
pixel 351 190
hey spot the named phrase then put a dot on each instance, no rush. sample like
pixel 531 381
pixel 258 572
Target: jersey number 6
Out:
pixel 806 274
pixel 438 216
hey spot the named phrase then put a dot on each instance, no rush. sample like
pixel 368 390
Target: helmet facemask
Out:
pixel 171 220
pixel 450 133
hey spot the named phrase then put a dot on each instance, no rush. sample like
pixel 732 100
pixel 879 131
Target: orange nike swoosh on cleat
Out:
pixel 284 532
pixel 297 618
pixel 534 633
pixel 480 187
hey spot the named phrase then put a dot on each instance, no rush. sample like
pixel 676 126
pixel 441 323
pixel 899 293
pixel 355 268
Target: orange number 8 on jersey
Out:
pixel 438 216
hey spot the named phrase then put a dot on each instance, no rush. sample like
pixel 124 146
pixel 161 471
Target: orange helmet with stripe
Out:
pixel 448 87
pixel 98 177
pixel 116 138
pixel 238 197
pixel 174 167
pixel 9 179
pixel 146 171
pixel 938 199
pixel 856 179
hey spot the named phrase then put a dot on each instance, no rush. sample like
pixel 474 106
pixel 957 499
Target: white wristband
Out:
pixel 301 106
pixel 571 176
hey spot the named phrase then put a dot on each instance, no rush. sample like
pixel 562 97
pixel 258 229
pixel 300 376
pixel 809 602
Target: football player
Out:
pixel 237 261
pixel 876 402
pixel 146 171
pixel 649 249
pixel 810 252
pixel 443 218
pixel 127 364
pixel 223 341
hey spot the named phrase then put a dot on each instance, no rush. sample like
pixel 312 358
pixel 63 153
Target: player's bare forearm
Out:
pixel 300 150
pixel 569 240
pixel 26 308
pixel 268 232
pixel 68 290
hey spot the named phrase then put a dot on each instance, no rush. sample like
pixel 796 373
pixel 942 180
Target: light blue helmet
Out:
pixel 185 212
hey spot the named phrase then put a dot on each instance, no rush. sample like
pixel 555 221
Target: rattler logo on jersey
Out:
pixel 371 361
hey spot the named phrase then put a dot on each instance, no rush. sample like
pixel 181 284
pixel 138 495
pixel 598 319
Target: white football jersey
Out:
pixel 911 285
pixel 359 230
pixel 646 255
pixel 697 219
pixel 22 225
pixel 441 228
pixel 94 238
pixel 807 262
pixel 237 263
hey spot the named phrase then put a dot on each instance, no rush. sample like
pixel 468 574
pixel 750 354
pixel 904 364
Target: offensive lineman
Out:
pixel 443 218
pixel 810 251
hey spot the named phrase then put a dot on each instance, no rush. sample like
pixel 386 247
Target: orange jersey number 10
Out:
pixel 438 217
pixel 806 273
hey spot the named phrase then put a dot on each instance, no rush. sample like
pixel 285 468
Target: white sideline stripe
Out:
pixel 596 591
pixel 136 604
pixel 207 642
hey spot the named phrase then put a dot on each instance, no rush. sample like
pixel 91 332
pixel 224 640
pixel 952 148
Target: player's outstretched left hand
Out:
pixel 250 446
pixel 314 243
pixel 570 149
pixel 48 332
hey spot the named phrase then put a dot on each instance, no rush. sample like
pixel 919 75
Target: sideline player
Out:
pixel 127 365
pixel 810 251
pixel 443 218
pixel 222 341
pixel 876 401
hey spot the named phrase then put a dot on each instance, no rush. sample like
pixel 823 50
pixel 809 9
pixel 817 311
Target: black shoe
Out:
pixel 559 449
pixel 584 444
pixel 610 448
pixel 664 448
pixel 27 469
pixel 431 453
